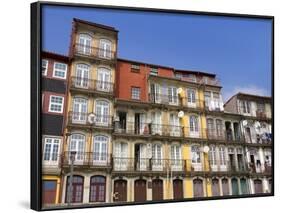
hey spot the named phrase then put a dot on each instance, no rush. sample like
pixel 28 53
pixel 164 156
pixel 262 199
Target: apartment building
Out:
pixel 256 126
pixel 54 94
pixel 136 131
pixel 90 111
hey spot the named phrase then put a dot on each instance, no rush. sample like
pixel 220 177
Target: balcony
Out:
pixel 89 119
pixel 150 129
pixel 90 85
pixel 264 168
pixel 175 101
pixel 213 105
pixel 214 134
pixel 147 165
pixel 94 52
pixel 88 159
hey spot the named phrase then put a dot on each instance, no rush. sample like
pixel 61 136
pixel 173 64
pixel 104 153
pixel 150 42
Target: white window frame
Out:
pixel 47 64
pixel 50 161
pixel 50 103
pixel 100 157
pixel 132 93
pixel 65 71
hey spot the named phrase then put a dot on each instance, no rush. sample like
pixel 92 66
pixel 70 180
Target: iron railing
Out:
pixel 92 159
pixel 91 85
pixel 96 120
pixel 95 52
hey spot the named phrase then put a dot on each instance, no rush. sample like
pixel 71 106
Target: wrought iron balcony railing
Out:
pixel 91 85
pixel 91 159
pixel 95 52
pixel 91 119
pixel 146 164
pixel 176 101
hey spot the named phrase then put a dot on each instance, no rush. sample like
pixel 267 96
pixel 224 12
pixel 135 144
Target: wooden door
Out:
pixel 225 187
pixel 215 187
pixel 198 190
pixel 178 189
pixel 157 189
pixel 49 191
pixel 120 191
pixel 258 186
pixel 140 190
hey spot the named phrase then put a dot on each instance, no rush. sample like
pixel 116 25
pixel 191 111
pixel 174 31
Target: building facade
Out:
pixel 137 132
pixel 54 95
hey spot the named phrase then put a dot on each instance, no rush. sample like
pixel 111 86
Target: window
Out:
pixel 245 105
pixel 153 71
pixel 207 96
pixel 103 82
pixel 135 93
pixel 176 154
pixel 135 68
pixel 222 156
pixel 191 96
pixel 195 154
pixel 105 49
pixel 56 104
pixel 60 70
pixel 51 149
pixel 120 156
pixel 156 156
pixel 44 68
pixel 84 44
pixel 178 75
pixel 82 75
pixel 77 144
pixel 212 156
pixel 100 149
pixel 77 189
pixel 80 110
pixel 260 107
pixel 193 121
pixel 97 189
pixel 172 95
pixel 219 128
pixel 102 112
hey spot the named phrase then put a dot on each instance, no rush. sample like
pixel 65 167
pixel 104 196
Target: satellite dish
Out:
pixel 180 114
pixel 179 90
pixel 206 149
pixel 116 118
pixel 244 123
pixel 257 125
pixel 91 118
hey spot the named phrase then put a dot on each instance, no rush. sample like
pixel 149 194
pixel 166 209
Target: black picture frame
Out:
pixel 36 144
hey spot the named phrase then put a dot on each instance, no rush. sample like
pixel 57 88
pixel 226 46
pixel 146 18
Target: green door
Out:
pixel 244 186
pixel 234 184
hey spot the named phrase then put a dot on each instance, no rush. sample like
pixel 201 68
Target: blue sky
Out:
pixel 238 50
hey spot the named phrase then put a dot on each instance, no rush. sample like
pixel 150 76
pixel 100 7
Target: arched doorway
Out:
pixel 140 190
pixel 178 189
pixel 258 186
pixel 157 189
pixel 198 190
pixel 120 191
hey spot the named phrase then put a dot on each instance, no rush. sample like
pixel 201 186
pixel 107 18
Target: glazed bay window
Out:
pixel 51 150
pixel 135 93
pixel 56 104
pixel 44 68
pixel 60 70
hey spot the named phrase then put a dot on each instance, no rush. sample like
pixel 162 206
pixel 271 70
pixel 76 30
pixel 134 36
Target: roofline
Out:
pixel 167 67
pixel 247 94
pixel 144 63
pixel 106 27
pixel 196 72
pixel 54 55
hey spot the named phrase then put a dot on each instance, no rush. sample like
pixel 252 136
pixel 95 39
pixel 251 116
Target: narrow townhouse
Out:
pixel 54 95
